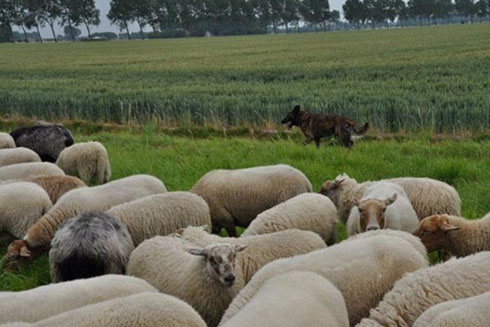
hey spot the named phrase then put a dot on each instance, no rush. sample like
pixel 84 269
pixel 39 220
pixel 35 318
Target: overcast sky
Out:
pixel 105 25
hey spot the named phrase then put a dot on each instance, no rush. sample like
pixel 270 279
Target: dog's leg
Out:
pixel 308 140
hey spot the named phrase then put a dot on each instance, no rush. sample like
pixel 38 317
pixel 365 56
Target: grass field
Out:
pixel 181 161
pixel 433 78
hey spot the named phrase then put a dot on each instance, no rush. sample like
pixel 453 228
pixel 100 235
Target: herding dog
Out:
pixel 315 126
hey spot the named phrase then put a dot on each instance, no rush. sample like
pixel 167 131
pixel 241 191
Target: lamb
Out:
pixel 98 198
pixel 162 214
pixel 17 155
pixel 307 211
pixel 89 245
pixel 294 299
pixel 472 311
pixel 138 310
pixel 382 205
pixel 46 140
pixel 236 197
pixel 89 161
pixel 418 291
pixel 363 270
pixel 458 236
pixel 262 249
pixel 6 141
pixel 29 169
pixel 428 196
pixel 203 277
pixel 46 301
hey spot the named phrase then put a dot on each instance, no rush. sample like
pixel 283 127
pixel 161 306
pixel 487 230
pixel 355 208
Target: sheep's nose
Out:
pixel 372 228
pixel 230 279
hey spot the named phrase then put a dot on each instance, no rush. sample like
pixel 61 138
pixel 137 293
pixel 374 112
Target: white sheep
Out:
pixel 203 277
pixel 76 201
pixel 236 197
pixel 17 155
pixel 418 291
pixel 89 161
pixel 162 214
pixel 45 301
pixel 472 311
pixel 382 205
pixel 307 211
pixel 29 169
pixel 261 249
pixel 363 270
pixel 293 299
pixel 458 236
pixel 6 141
pixel 428 196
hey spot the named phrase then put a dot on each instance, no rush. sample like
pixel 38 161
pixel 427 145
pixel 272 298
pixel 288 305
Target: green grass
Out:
pixel 432 78
pixel 181 161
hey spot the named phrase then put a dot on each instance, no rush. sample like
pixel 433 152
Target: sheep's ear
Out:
pixel 296 109
pixel 338 182
pixel 197 251
pixel 447 227
pixel 391 199
pixel 24 252
pixel 180 231
pixel 206 228
pixel 240 248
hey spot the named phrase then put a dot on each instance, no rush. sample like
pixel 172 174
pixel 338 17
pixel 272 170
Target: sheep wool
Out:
pixel 17 155
pixel 88 161
pixel 29 169
pixel 294 299
pixel 307 211
pixel 56 186
pixel 418 291
pixel 6 141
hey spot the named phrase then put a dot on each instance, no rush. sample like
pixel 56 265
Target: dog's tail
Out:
pixel 362 130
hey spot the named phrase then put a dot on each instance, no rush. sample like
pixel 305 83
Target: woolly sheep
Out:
pixel 307 211
pixel 457 235
pixel 6 141
pixel 89 161
pixel 261 249
pixel 98 198
pixel 89 245
pixel 46 140
pixel 382 205
pixel 29 169
pixel 17 155
pixel 362 269
pixel 471 311
pixel 203 277
pixel 162 214
pixel 45 301
pixel 428 196
pixel 56 186
pixel 236 197
pixel 418 291
pixel 294 299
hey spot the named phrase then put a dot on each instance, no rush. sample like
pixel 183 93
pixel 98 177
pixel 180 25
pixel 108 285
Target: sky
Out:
pixel 105 25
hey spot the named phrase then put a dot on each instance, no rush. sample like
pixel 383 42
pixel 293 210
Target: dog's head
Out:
pixel 291 118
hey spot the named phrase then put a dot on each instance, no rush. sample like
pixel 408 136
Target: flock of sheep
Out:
pixel 129 253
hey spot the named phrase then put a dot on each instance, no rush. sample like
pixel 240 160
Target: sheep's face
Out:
pixel 291 118
pixel 372 212
pixel 433 232
pixel 220 261
pixel 17 253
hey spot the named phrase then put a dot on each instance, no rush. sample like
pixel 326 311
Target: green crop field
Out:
pixel 432 78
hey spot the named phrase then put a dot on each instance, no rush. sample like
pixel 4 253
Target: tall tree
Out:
pixel 8 16
pixel 290 13
pixel 49 12
pixel 483 8
pixel 85 12
pixel 355 12
pixel 466 8
pixel 120 14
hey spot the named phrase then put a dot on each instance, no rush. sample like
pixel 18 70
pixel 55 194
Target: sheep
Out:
pixel 74 202
pixel 428 196
pixel 45 301
pixel 294 299
pixel 262 249
pixel 46 140
pixel 138 310
pixel 307 211
pixel 162 214
pixel 236 197
pixel 29 169
pixel 418 291
pixel 458 236
pixel 17 155
pixel 472 311
pixel 6 141
pixel 56 186
pixel 203 277
pixel 89 161
pixel 89 245
pixel 363 270
pixel 382 205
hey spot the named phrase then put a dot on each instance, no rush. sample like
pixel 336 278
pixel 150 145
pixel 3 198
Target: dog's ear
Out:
pixel 296 109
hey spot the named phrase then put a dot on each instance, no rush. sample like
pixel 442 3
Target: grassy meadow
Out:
pixel 409 79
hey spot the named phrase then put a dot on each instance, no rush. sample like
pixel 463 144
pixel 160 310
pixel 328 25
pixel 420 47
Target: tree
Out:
pixel 8 16
pixel 71 32
pixel 141 11
pixel 355 12
pixel 84 11
pixel 315 12
pixel 49 12
pixel 120 14
pixel 466 8
pixel 483 8
pixel 290 12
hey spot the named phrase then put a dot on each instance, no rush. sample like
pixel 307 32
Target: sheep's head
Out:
pixel 291 118
pixel 433 232
pixel 372 212
pixel 220 261
pixel 332 188
pixel 18 253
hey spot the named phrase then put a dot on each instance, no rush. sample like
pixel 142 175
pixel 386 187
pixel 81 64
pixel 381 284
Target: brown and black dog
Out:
pixel 315 126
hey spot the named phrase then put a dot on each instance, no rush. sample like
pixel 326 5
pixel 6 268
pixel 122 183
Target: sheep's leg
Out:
pixel 231 230
pixel 317 142
pixel 308 140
